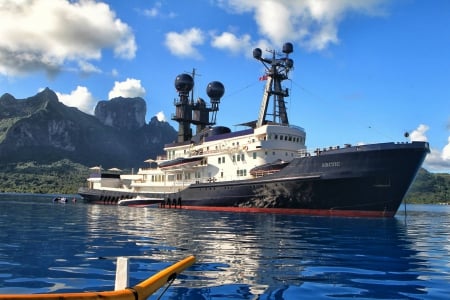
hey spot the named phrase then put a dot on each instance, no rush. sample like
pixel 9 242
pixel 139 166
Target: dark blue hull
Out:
pixel 368 180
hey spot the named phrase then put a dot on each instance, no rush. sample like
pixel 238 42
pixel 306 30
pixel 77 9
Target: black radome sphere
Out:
pixel 257 53
pixel 289 63
pixel 184 83
pixel 215 90
pixel 288 48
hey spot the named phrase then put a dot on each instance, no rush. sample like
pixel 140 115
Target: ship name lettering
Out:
pixel 331 164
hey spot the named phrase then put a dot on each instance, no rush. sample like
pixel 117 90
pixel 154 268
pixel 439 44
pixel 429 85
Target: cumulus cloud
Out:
pixel 161 117
pixel 129 88
pixel 437 160
pixel 87 68
pixel 419 133
pixel 51 34
pixel 156 11
pixel 183 44
pixel 446 151
pixel 80 98
pixel 229 41
pixel 311 23
pixel 153 11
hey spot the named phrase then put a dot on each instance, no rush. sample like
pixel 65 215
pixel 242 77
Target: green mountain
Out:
pixel 44 130
pixel 429 188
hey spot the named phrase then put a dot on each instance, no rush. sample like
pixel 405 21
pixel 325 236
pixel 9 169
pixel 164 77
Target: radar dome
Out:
pixel 257 53
pixel 215 90
pixel 289 63
pixel 288 48
pixel 184 83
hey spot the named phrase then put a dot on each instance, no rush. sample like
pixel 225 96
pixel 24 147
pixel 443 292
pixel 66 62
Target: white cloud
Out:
pixel 436 160
pixel 231 42
pixel 154 11
pixel 311 23
pixel 129 88
pixel 88 68
pixel 157 12
pixel 161 117
pixel 80 98
pixel 183 44
pixel 419 133
pixel 51 34
pixel 151 12
pixel 446 151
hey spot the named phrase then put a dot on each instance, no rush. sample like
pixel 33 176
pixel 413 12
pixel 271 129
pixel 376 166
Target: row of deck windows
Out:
pixel 155 178
pixel 186 176
pixel 238 157
pixel 241 172
pixel 295 139
pixel 241 157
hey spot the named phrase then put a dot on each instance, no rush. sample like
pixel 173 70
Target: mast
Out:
pixel 277 70
pixel 187 112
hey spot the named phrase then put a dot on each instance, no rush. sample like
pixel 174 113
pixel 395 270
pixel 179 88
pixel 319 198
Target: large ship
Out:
pixel 265 167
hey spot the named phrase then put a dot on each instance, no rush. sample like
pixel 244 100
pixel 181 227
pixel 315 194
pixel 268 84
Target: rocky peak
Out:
pixel 123 113
pixel 47 95
pixel 7 99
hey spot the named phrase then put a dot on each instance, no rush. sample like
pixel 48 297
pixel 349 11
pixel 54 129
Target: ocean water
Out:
pixel 47 247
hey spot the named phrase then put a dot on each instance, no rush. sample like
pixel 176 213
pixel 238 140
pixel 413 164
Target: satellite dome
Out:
pixel 215 90
pixel 257 53
pixel 184 83
pixel 288 48
pixel 289 63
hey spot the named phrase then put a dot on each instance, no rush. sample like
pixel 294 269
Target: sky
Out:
pixel 364 71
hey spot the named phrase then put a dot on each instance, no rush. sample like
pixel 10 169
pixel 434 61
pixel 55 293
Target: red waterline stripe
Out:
pixel 293 211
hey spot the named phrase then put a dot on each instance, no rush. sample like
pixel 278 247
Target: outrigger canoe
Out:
pixel 141 291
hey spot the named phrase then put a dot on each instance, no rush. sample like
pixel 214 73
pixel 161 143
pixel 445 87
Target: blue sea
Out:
pixel 47 247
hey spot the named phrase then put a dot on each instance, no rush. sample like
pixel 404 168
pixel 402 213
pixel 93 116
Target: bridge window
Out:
pixel 242 172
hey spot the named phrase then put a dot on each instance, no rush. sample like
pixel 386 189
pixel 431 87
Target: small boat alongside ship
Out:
pixel 265 167
pixel 140 201
pixel 60 200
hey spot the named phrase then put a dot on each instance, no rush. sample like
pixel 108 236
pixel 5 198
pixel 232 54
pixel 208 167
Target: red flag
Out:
pixel 264 77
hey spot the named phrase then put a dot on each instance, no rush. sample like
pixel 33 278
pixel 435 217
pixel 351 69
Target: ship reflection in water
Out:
pixel 267 256
pixel 73 247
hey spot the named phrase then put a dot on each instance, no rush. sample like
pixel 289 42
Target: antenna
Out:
pixel 187 112
pixel 277 70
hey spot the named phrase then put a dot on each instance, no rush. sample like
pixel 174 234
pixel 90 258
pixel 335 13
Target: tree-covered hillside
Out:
pixel 430 188
pixel 61 177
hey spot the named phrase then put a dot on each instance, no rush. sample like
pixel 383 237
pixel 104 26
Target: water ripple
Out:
pixel 73 247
